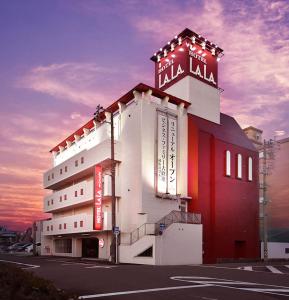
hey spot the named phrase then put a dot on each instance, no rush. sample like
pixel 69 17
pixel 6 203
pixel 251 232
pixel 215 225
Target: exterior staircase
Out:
pixel 154 229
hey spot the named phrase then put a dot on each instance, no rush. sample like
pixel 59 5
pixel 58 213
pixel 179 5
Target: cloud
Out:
pixel 75 82
pixel 87 84
pixel 255 36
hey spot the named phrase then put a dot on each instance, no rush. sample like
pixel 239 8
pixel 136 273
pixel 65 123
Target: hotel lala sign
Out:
pixel 97 209
pixel 186 59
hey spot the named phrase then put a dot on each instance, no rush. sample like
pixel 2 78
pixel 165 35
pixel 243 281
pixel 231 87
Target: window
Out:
pixel 48 177
pixel 47 228
pixel 63 246
pixel 239 166
pixel 64 226
pixel 60 226
pixel 48 203
pixel 52 175
pixel 81 191
pixel 51 201
pixel 65 197
pixel 250 169
pixel 51 227
pixel 65 169
pixel 82 160
pixel 286 250
pixel 75 194
pixel 81 224
pixel 60 199
pixel 228 163
pixel 76 163
pixel 75 224
pixel 60 171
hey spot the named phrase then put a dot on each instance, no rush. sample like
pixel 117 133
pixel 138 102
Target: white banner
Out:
pixel 172 156
pixel 162 153
pixel 167 154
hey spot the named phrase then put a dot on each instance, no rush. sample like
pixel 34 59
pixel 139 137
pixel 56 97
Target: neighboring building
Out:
pixel 7 237
pixel 277 192
pixel 182 168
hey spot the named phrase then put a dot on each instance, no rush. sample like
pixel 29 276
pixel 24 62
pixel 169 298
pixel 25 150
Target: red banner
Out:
pixel 97 208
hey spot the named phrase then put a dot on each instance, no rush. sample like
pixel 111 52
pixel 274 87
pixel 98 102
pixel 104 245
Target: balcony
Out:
pixel 79 165
pixel 75 195
pixel 78 195
pixel 80 223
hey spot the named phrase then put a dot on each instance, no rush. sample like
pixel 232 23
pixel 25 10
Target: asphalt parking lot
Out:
pixel 94 280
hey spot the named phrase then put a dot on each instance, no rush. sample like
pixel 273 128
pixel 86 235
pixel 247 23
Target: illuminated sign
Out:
pixel 186 59
pixel 167 154
pixel 97 208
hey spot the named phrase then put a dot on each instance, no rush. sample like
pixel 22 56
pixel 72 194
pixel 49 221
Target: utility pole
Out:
pixel 264 203
pixel 268 154
pixel 97 116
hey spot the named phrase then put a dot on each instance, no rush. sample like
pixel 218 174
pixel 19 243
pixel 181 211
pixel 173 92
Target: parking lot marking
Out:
pixel 18 263
pixel 248 268
pixel 273 270
pixel 144 291
pixel 100 267
pixel 237 285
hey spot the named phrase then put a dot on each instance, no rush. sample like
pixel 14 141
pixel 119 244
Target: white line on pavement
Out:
pixel 18 263
pixel 100 267
pixel 144 291
pixel 273 270
pixel 247 268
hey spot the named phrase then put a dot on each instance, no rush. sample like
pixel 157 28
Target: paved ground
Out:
pixel 92 280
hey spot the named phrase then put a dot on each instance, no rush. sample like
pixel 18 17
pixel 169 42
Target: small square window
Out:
pixel 48 177
pixel 75 194
pixel 60 171
pixel 52 175
pixel 65 197
pixel 81 191
pixel 65 169
pixel 51 227
pixel 81 224
pixel 75 224
pixel 60 198
pixel 60 226
pixel 82 160
pixel 76 163
pixel 51 201
pixel 287 250
pixel 47 228
pixel 64 225
pixel 48 203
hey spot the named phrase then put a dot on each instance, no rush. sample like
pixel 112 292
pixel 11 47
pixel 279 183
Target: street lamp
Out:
pixel 98 117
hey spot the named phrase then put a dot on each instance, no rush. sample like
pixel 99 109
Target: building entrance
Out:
pixel 90 247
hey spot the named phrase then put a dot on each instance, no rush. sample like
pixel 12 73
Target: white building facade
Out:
pixel 150 130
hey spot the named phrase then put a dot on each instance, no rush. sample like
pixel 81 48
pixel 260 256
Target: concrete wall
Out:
pixel 180 244
pixel 204 98
pixel 276 250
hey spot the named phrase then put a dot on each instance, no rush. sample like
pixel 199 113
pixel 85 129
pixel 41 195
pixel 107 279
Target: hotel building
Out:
pixel 186 175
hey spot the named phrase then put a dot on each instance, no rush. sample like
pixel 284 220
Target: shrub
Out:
pixel 17 284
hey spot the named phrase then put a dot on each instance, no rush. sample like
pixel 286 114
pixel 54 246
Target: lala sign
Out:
pixel 200 72
pixel 167 154
pixel 171 75
pixel 97 224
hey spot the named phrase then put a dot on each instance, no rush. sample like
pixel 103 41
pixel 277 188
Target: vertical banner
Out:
pixel 97 208
pixel 162 153
pixel 172 155
pixel 166 154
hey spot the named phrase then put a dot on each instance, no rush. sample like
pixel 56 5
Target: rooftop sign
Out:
pixel 187 54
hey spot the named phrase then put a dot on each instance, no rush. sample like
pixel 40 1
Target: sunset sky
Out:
pixel 60 58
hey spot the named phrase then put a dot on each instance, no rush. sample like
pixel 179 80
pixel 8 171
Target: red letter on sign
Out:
pixel 97 209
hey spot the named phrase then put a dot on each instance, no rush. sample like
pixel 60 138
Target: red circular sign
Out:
pixel 101 243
